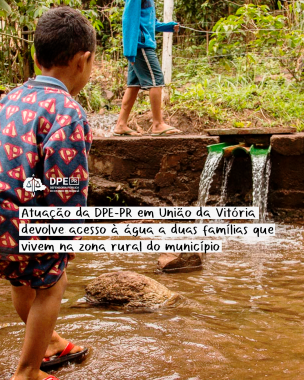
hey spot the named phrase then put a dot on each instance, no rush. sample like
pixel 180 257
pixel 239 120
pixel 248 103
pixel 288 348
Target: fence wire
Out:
pixel 15 55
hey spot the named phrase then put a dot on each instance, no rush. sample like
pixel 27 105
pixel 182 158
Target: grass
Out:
pixel 235 92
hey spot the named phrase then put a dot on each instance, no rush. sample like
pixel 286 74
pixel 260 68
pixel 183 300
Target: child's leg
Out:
pixel 155 95
pixel 40 324
pixel 158 125
pixel 23 298
pixel 126 107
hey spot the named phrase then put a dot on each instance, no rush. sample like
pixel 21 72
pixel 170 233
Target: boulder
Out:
pixel 129 290
pixel 109 95
pixel 185 261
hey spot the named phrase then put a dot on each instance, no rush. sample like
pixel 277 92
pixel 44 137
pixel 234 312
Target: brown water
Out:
pixel 244 318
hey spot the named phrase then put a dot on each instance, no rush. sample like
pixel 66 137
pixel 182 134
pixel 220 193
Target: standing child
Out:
pixel 144 71
pixel 44 134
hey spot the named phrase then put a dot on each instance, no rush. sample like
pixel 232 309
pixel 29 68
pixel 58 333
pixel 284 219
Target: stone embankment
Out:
pixel 165 171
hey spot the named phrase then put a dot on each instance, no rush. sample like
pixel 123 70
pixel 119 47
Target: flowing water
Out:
pixel 243 319
pixel 228 162
pixel 212 162
pixel 260 178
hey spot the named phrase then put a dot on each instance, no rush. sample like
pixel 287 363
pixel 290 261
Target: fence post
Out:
pixel 167 49
pixel 25 57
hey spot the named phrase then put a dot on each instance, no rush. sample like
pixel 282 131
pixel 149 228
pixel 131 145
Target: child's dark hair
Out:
pixel 60 34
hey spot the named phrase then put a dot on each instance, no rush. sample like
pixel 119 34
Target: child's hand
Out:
pixel 71 255
pixel 176 28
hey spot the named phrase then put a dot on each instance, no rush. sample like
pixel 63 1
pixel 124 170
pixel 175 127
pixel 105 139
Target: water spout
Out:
pixel 215 153
pixel 260 173
pixel 236 150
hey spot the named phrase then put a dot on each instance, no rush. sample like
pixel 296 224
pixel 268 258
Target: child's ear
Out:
pixel 36 62
pixel 83 59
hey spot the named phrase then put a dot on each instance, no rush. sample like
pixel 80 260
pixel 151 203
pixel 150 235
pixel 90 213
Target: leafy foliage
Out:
pixel 255 29
pixel 18 24
pixel 249 73
pixel 5 9
pixel 111 38
pixel 266 97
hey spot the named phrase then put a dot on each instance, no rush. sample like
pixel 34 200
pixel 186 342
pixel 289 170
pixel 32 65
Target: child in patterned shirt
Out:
pixel 44 135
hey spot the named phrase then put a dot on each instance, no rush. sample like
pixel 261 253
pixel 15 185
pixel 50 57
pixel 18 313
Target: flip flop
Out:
pixel 65 356
pixel 164 133
pixel 127 133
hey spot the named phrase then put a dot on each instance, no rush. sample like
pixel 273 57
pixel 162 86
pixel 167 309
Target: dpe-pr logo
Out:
pixel 64 183
pixel 33 184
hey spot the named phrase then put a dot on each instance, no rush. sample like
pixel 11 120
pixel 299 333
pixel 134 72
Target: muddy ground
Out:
pixel 190 123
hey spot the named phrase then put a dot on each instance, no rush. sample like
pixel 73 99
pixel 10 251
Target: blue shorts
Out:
pixel 146 71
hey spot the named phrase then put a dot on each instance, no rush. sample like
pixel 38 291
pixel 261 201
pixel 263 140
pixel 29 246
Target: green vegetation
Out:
pixel 251 73
pixel 18 21
pixel 231 94
pixel 243 66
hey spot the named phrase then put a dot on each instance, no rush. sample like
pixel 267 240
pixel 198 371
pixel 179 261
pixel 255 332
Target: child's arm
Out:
pixel 130 28
pixel 65 156
pixel 165 26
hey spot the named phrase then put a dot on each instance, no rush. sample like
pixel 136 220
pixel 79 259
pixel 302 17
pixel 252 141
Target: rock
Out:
pixel 102 191
pixel 250 131
pixel 288 145
pixel 179 261
pixel 129 290
pixel 109 95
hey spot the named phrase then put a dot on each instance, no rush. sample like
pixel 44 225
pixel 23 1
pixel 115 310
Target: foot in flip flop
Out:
pixel 126 132
pixel 69 353
pixel 168 131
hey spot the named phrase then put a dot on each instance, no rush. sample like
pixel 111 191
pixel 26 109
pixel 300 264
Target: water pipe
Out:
pixel 218 148
pixel 238 150
pixel 257 151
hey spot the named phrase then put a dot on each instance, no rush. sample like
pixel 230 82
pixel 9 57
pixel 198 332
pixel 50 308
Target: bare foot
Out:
pixel 164 129
pixel 125 130
pixel 58 344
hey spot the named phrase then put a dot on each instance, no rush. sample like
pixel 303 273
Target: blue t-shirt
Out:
pixel 139 25
pixel 44 134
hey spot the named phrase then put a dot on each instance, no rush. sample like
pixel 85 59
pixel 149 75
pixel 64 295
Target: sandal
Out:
pixel 64 356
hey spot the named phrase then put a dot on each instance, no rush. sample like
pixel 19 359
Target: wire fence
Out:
pixel 231 30
pixel 192 43
pixel 15 55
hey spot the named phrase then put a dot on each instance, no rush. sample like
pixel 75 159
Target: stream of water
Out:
pixel 228 162
pixel 212 162
pixel 243 318
pixel 261 169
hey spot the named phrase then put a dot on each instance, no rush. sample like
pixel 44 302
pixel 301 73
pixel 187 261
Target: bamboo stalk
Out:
pixel 16 37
